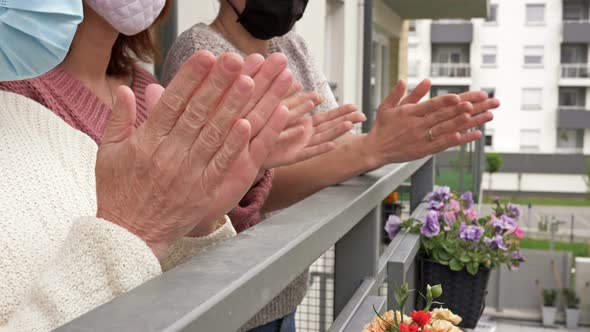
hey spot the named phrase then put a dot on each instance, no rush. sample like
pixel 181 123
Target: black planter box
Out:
pixel 463 293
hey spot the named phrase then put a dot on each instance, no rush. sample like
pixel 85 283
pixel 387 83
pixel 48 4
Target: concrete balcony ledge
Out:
pixel 451 74
pixel 417 9
pixel 573 118
pixel 451 32
pixel 576 31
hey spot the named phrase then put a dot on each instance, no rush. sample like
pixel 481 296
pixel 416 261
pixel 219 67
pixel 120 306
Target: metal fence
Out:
pixel 578 70
pixel 459 70
pixel 225 286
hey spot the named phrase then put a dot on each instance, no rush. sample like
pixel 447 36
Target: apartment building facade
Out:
pixel 533 56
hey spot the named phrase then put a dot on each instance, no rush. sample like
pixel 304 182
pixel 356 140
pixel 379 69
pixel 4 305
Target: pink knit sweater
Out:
pixel 67 97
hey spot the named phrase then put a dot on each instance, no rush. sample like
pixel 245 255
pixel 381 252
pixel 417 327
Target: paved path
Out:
pixel 515 326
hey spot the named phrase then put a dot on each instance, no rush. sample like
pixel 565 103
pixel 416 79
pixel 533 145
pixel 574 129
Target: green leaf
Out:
pixel 472 268
pixel 444 256
pixel 456 265
pixel 465 258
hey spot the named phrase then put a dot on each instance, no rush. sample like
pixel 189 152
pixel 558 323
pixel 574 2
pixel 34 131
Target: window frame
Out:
pixel 525 55
pixel 527 147
pixel 493 9
pixel 527 16
pixel 531 107
pixel 484 53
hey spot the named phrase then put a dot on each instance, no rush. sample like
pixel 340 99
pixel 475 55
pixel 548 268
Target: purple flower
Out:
pixel 436 205
pixel 517 256
pixel 470 233
pixel 495 243
pixel 513 210
pixel 440 194
pixel 504 225
pixel 467 199
pixel 453 206
pixel 393 225
pixel 431 226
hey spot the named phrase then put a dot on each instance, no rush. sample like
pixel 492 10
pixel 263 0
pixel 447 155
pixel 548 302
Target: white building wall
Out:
pixel 529 182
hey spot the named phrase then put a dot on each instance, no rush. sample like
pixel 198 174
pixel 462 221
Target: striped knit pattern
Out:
pixel 76 104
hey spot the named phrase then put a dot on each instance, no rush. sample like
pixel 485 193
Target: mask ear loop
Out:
pixel 235 10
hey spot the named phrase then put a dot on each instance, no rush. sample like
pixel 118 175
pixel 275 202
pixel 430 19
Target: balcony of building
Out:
pixel 576 23
pixel 451 32
pixel 574 67
pixel 450 65
pixel 573 113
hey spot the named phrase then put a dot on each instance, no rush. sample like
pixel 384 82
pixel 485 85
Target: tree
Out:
pixel 494 162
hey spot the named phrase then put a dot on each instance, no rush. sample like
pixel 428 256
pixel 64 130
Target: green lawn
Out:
pixel 578 249
pixel 523 200
pixel 450 178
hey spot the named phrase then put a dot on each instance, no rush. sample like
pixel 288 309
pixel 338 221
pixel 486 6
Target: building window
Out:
pixel 412 27
pixel 493 14
pixel 532 99
pixel 489 56
pixel 533 56
pixel 490 91
pixel 535 14
pixel 575 11
pixel 572 98
pixel 529 140
pixel 489 139
pixel 570 140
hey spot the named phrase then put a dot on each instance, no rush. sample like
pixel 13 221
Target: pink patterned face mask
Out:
pixel 129 17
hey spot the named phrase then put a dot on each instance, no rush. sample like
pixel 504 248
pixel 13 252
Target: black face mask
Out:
pixel 266 19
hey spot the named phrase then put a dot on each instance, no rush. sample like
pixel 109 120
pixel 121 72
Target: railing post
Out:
pixel 357 257
pixel 422 183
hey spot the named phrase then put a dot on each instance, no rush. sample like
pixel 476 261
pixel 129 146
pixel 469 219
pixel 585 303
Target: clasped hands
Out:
pixel 221 123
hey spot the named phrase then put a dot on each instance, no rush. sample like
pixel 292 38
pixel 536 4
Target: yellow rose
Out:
pixel 378 325
pixel 446 314
pixel 440 326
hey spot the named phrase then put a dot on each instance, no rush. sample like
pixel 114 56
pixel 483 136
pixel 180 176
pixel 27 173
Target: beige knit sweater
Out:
pixel 57 261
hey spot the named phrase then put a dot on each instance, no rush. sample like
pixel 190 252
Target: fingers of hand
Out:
pixel 394 97
pixel 355 117
pixel 314 151
pixel 213 135
pixel 122 122
pixel 331 134
pixel 179 91
pixel 268 72
pixel 419 92
pixel 433 104
pixel 476 121
pixel 296 88
pixel 334 114
pixel 153 93
pixel 235 143
pixel 473 96
pixel 451 125
pixel 486 105
pixel 447 113
pixel 204 102
pixel 269 102
pixel 252 64
pixel 267 138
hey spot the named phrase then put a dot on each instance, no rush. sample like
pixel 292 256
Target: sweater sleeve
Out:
pixel 97 262
pixel 186 248
pixel 248 212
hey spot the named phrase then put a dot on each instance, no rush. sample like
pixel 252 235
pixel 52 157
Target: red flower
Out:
pixel 403 327
pixel 421 317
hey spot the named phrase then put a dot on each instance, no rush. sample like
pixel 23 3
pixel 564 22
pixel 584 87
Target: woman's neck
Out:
pixel 226 23
pixel 90 54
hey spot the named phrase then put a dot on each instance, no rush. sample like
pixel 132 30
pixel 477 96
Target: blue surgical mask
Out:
pixel 36 35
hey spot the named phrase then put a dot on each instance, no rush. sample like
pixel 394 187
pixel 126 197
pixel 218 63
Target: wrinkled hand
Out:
pixel 406 129
pixel 160 180
pixel 268 119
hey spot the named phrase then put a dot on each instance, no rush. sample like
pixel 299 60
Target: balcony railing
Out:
pixel 569 150
pixel 581 70
pixel 224 287
pixel 579 108
pixel 459 70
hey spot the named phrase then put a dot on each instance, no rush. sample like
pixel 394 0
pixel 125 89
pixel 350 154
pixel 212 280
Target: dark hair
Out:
pixel 144 46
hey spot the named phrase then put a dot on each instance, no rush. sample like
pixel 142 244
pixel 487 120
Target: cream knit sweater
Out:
pixel 57 261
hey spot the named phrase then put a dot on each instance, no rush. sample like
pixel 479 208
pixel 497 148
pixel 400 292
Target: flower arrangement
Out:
pixel 452 234
pixel 437 320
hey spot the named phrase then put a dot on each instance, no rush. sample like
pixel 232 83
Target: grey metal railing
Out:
pixel 225 286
